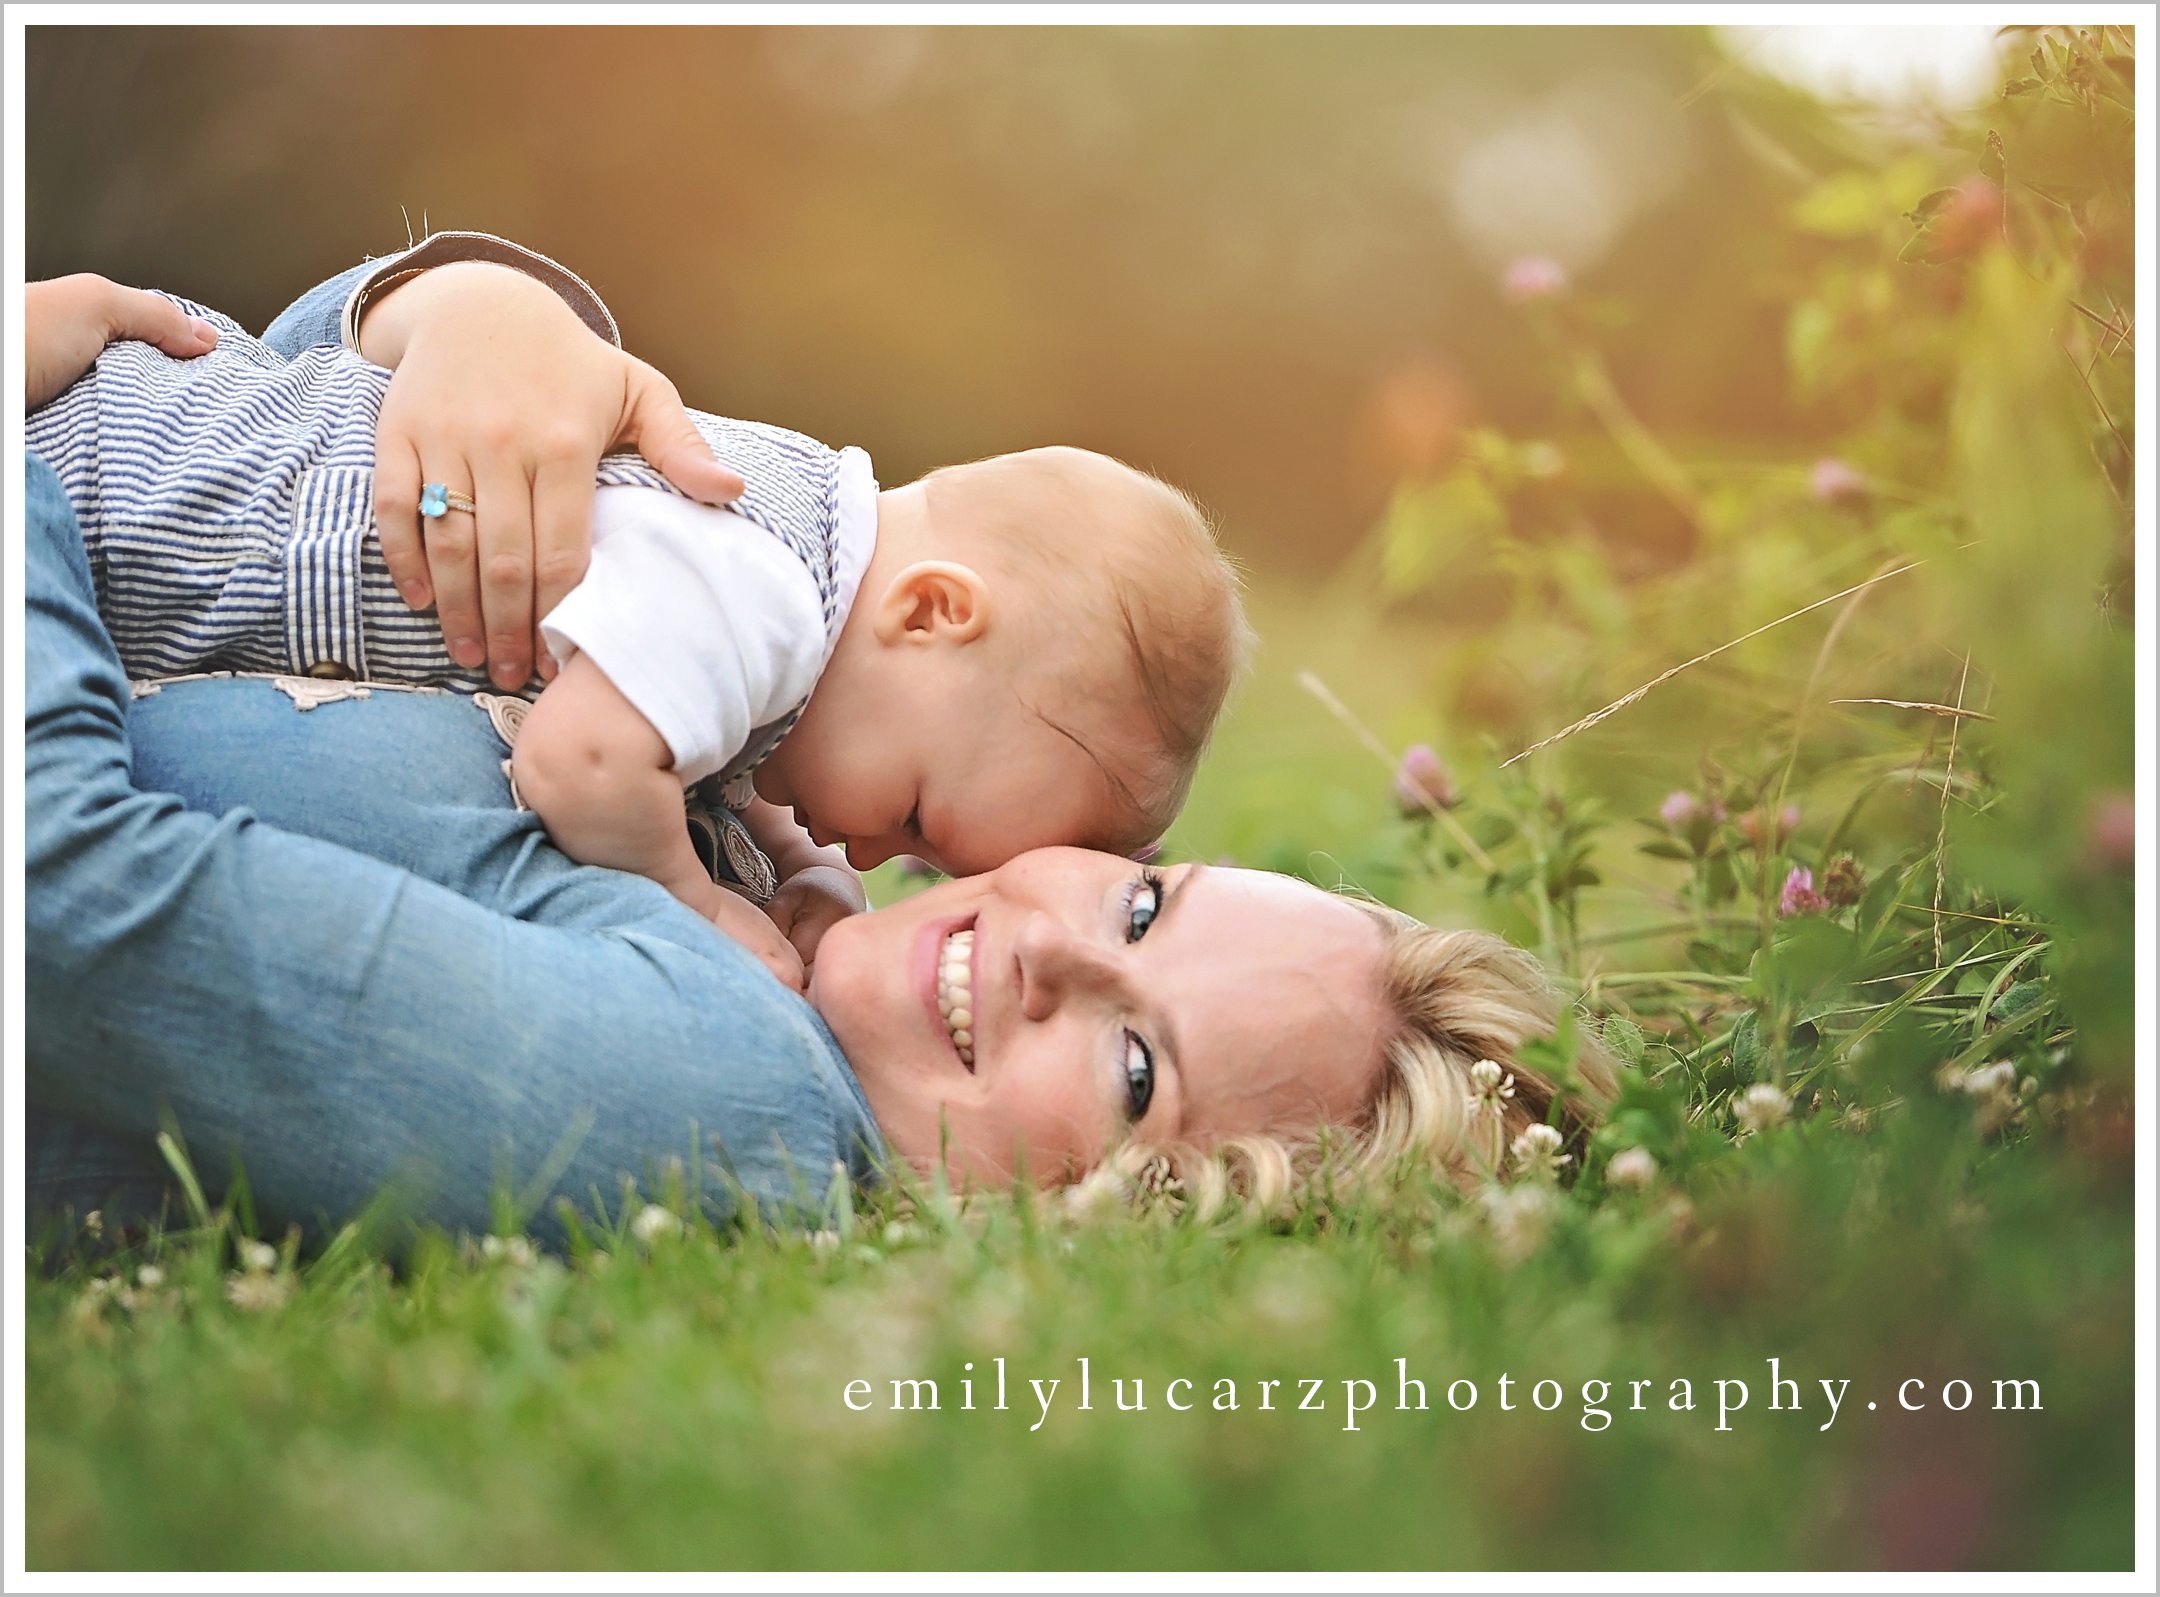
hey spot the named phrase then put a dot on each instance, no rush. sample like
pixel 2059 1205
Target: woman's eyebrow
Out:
pixel 1172 1052
pixel 1173 891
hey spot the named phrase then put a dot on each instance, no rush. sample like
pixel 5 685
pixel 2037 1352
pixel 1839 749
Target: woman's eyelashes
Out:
pixel 1143 902
pixel 1139 1078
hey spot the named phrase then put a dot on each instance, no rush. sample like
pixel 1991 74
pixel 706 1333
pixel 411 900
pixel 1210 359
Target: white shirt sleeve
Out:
pixel 699 617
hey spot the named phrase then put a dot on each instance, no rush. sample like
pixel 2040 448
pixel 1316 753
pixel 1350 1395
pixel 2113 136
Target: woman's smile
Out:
pixel 944 970
pixel 956 991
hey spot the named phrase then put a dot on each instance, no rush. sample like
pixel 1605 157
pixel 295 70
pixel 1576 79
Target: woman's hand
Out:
pixel 502 393
pixel 68 320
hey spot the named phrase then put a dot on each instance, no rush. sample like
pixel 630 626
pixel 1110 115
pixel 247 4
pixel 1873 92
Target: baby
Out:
pixel 1022 651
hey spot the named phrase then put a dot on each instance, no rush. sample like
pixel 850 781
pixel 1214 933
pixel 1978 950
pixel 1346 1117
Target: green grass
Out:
pixel 681 1405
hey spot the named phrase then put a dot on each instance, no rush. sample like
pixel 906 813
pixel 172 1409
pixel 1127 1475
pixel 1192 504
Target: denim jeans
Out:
pixel 323 945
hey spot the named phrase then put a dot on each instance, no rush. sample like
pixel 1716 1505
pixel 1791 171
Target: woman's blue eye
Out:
pixel 1139 1078
pixel 1142 906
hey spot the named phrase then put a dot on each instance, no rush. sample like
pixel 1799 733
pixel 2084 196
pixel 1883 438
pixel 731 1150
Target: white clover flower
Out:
pixel 94 1222
pixel 653 1222
pixel 1490 1088
pixel 1761 1107
pixel 1520 1217
pixel 1993 1089
pixel 515 1251
pixel 86 1314
pixel 1631 1167
pixel 1537 1152
pixel 150 1277
pixel 822 1242
pixel 257 1258
pixel 257 1291
pixel 1985 1080
pixel 899 1231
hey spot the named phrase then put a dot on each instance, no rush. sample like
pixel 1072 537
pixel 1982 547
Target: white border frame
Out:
pixel 17 18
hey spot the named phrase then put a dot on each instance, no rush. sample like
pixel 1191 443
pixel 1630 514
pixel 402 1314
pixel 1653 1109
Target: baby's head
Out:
pixel 1036 656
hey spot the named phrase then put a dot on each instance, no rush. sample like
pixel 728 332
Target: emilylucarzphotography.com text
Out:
pixel 1355 1402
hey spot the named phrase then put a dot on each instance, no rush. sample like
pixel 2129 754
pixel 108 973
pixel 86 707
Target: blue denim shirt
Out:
pixel 323 943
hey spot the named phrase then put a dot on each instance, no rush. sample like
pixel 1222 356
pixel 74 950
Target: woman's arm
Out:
pixel 339 1025
pixel 504 391
pixel 333 312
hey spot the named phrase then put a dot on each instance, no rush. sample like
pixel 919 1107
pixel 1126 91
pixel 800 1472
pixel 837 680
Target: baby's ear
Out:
pixel 930 601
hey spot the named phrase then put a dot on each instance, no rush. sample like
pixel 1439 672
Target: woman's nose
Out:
pixel 1057 964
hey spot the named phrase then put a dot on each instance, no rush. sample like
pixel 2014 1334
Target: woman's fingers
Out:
pixel 500 378
pixel 68 320
pixel 562 538
pixel 504 495
pixel 452 544
pixel 657 427
pixel 138 313
pixel 397 517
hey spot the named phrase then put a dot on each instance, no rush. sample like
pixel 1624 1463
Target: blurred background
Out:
pixel 1309 274
pixel 1267 263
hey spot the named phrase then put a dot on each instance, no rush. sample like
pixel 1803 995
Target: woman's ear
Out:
pixel 933 601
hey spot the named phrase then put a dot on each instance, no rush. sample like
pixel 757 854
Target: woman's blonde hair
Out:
pixel 1458 998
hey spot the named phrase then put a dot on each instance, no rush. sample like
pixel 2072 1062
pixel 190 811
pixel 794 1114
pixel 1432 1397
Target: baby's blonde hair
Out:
pixel 1457 997
pixel 1146 571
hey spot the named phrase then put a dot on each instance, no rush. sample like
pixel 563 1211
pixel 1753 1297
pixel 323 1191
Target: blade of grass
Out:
pixel 1942 827
pixel 1635 696
pixel 184 1172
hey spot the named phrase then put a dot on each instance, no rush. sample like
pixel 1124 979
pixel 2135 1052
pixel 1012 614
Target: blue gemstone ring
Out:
pixel 438 500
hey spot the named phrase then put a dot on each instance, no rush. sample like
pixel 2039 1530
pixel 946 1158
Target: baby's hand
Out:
pixel 745 923
pixel 68 320
pixel 811 901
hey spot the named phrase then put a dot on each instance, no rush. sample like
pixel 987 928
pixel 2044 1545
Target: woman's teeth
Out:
pixel 955 992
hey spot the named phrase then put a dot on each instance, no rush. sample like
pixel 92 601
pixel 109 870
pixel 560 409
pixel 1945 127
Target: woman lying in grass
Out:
pixel 341 961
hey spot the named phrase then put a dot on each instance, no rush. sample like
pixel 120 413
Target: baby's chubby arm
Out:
pixel 603 782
